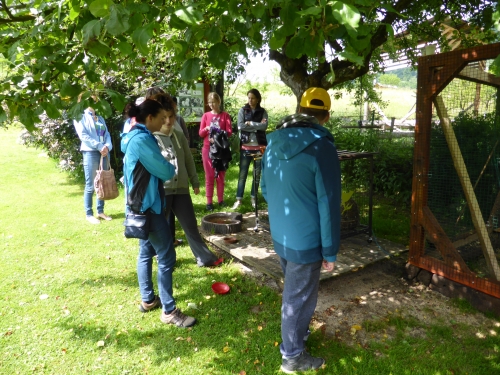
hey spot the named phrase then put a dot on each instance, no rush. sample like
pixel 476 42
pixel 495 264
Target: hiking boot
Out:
pixel 236 204
pixel 210 207
pixel 146 307
pixel 222 204
pixel 178 318
pixel 303 362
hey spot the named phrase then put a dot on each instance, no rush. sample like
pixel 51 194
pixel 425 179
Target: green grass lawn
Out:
pixel 69 296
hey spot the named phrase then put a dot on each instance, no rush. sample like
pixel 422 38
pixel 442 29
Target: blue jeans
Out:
pixel 299 299
pixel 159 243
pixel 245 160
pixel 91 160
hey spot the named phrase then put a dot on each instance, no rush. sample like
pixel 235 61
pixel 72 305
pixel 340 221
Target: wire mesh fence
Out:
pixel 456 184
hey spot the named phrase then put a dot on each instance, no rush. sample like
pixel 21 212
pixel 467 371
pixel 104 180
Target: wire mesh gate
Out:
pixel 455 224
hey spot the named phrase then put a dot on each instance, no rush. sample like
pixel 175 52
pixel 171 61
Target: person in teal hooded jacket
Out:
pixel 301 184
pixel 145 170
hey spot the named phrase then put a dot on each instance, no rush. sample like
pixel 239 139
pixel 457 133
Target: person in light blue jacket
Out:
pixel 301 184
pixel 96 142
pixel 145 171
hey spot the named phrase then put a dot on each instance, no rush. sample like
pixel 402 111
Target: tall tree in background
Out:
pixel 63 55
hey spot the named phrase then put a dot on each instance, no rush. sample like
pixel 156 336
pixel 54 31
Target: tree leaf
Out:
pixel 118 100
pixel 63 67
pixel 312 11
pixel 69 90
pixel 74 13
pixel 76 111
pixel 346 14
pixel 100 8
pixel 3 115
pixel 218 55
pixel 294 48
pixel 360 44
pixel 234 9
pixel 27 118
pixel 51 110
pixel 141 37
pixel 103 108
pixel 98 48
pixel 213 35
pixel 257 9
pixel 189 15
pixel 288 15
pixel 118 20
pixel 125 48
pixel 91 30
pixel 352 56
pixel 191 69
pixel 276 43
pixel 177 23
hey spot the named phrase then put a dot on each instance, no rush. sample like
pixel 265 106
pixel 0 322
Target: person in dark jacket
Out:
pixel 252 125
pixel 301 184
pixel 145 170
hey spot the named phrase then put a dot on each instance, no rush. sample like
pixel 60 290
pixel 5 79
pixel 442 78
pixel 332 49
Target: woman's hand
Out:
pixel 104 151
pixel 196 191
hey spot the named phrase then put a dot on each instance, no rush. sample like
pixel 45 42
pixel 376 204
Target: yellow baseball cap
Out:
pixel 319 96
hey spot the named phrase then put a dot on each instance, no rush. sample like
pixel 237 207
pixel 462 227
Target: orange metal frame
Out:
pixel 435 72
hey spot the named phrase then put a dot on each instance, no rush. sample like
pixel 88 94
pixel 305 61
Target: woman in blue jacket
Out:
pixel 145 171
pixel 96 142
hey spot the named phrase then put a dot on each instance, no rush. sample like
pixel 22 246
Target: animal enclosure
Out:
pixel 455 223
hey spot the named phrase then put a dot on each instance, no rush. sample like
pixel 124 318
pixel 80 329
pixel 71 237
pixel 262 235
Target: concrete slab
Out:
pixel 256 250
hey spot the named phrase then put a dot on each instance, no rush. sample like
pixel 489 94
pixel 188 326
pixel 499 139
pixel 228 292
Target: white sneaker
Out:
pixel 236 204
pixel 93 220
pixel 253 202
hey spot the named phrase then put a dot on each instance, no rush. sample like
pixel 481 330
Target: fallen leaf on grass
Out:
pixel 100 343
pixel 355 328
pixel 329 311
pixel 276 343
pixel 259 328
pixel 242 372
pixel 44 296
pixel 226 349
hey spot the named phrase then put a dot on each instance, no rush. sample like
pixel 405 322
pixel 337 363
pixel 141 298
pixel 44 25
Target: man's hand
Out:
pixel 196 191
pixel 328 266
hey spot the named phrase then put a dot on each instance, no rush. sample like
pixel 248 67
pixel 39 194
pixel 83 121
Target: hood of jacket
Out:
pixel 294 134
pixel 126 137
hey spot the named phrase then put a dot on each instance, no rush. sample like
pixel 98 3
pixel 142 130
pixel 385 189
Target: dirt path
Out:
pixel 377 292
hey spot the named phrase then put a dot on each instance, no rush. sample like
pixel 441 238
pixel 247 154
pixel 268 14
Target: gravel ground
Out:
pixel 375 292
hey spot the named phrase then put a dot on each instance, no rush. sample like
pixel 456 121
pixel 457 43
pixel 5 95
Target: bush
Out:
pixel 393 163
pixel 60 140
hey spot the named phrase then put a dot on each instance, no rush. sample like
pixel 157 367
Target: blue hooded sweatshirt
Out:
pixel 143 158
pixel 301 184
